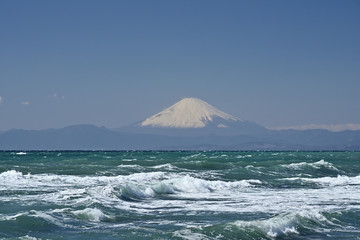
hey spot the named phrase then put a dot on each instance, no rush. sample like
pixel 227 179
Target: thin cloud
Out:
pixel 25 103
pixel 330 127
pixel 56 95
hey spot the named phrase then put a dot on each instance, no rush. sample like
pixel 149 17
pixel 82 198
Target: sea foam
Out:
pixel 285 224
pixel 315 165
pixel 90 214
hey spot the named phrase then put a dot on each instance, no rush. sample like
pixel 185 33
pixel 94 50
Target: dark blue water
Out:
pixel 180 195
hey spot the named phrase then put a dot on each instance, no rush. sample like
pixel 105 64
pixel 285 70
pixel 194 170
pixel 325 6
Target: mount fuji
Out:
pixel 191 117
pixel 188 113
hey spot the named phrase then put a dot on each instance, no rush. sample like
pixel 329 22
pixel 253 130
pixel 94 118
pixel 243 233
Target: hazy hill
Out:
pixel 88 137
pixel 190 124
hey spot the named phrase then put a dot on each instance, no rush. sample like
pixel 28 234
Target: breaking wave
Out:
pixel 91 214
pixel 330 181
pixel 282 226
pixel 134 186
pixel 316 165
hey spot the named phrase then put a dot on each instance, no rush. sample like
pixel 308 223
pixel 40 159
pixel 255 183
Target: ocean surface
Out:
pixel 179 195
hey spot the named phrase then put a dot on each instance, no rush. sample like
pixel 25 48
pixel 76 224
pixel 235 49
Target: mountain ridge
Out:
pixel 89 137
pixel 202 132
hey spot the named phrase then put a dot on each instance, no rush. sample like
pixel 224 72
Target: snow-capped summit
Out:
pixel 188 113
pixel 194 117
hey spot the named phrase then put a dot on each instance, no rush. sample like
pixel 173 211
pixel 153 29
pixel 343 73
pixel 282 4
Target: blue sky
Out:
pixel 112 63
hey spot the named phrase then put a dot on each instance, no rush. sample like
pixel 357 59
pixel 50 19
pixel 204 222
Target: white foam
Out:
pixel 21 153
pixel 11 175
pixel 48 217
pixel 163 188
pixel 27 237
pixel 244 156
pixel 167 166
pixel 13 178
pixel 191 156
pixel 189 192
pixel 12 217
pixel 189 235
pixel 283 224
pixel 128 159
pixel 332 181
pixel 316 165
pixel 131 166
pixel 91 214
pixel 190 184
pixel 138 192
pixel 185 184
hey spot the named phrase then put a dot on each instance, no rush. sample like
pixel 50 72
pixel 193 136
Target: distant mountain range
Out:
pixel 190 124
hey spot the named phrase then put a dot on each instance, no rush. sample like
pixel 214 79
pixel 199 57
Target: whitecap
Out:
pixel 191 156
pixel 13 178
pixel 21 153
pixel 131 191
pixel 27 237
pixel 128 159
pixel 316 165
pixel 134 166
pixel 184 184
pixel 187 234
pixel 244 156
pixel 47 217
pixel 11 174
pixel 90 214
pixel 284 224
pixel 195 185
pixel 333 181
pixel 167 166
pixel 12 217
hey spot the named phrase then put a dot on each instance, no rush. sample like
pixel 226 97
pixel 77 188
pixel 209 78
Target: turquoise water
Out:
pixel 180 195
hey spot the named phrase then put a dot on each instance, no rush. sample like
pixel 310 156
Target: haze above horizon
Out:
pixel 278 63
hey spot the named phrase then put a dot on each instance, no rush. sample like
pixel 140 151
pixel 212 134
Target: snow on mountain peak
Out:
pixel 187 113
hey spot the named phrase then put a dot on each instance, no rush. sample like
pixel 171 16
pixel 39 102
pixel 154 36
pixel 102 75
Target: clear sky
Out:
pixel 112 63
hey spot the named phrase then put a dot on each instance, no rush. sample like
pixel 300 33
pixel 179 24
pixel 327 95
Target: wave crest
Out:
pixel 91 214
pixel 284 224
pixel 315 165
pixel 330 181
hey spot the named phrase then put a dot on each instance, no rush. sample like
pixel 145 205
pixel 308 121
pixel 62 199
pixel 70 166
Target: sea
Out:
pixel 179 195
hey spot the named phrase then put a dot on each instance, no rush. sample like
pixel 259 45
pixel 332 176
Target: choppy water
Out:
pixel 180 195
